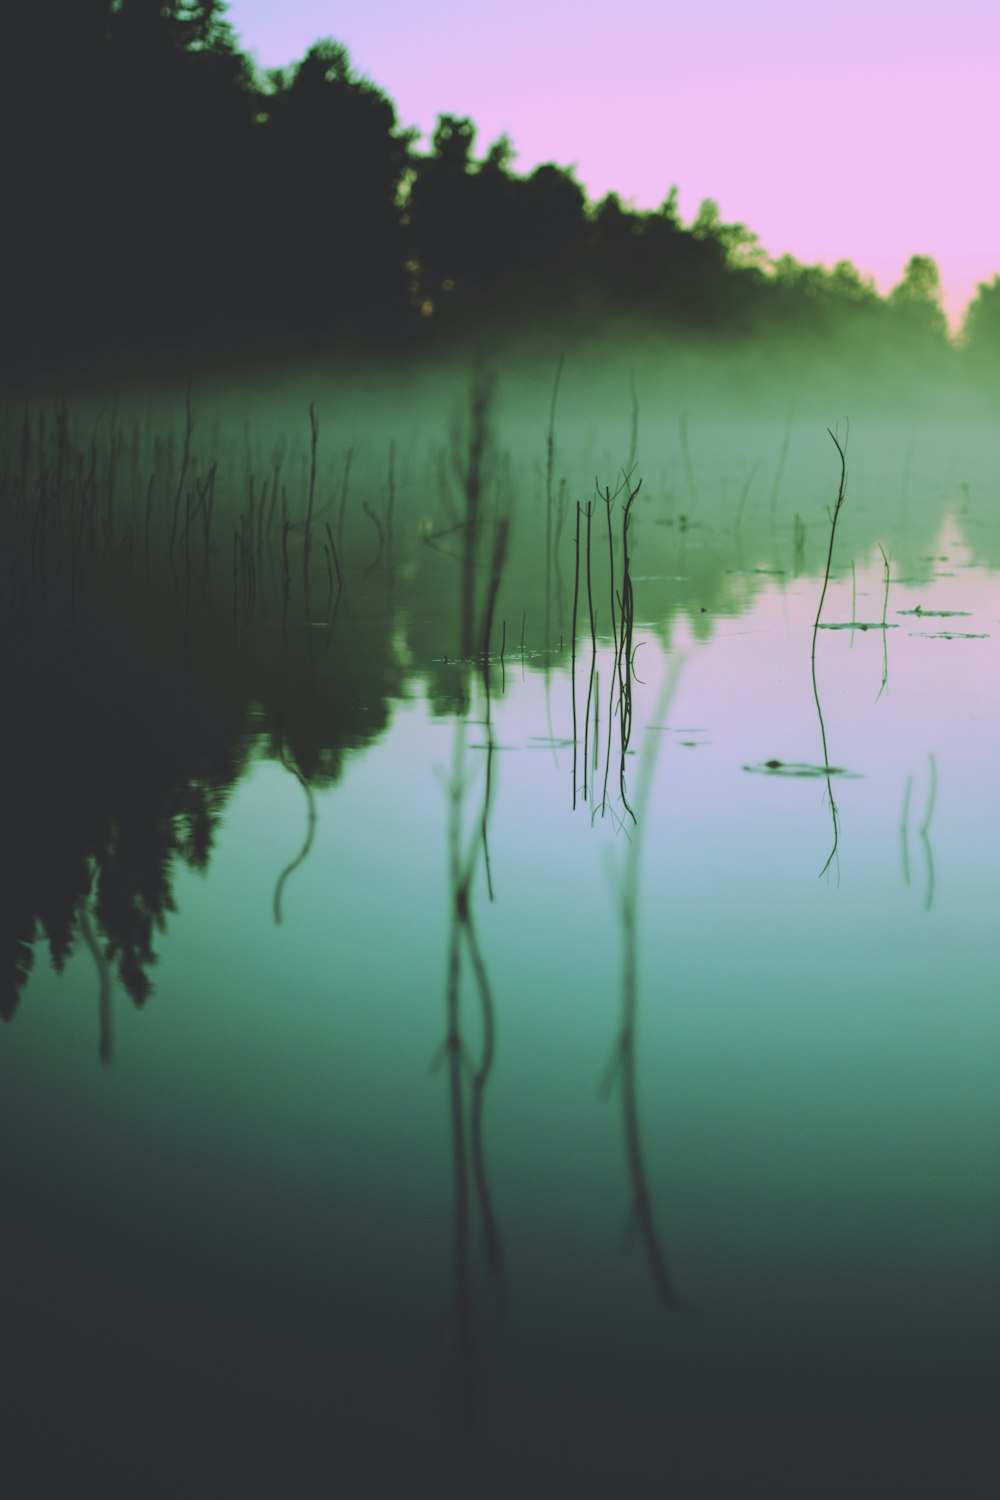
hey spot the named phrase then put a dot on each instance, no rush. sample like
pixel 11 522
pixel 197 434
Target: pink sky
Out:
pixel 862 131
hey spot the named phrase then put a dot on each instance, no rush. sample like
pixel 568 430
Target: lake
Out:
pixel 455 1049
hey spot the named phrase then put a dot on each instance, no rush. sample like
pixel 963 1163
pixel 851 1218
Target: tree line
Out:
pixel 160 188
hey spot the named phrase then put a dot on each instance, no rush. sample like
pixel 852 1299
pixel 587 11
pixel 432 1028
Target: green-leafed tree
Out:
pixel 981 327
pixel 916 301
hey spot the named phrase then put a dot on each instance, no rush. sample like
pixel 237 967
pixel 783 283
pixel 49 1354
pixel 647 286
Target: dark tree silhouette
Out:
pixel 331 236
pixel 163 191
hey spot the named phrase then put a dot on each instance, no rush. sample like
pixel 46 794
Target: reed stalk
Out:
pixel 841 490
pixel 885 624
pixel 572 641
pixel 550 455
pixel 593 651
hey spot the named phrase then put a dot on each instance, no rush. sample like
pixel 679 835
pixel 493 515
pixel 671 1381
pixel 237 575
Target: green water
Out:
pixel 536 1148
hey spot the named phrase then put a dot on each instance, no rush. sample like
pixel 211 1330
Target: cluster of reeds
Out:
pixel 622 615
pixel 116 508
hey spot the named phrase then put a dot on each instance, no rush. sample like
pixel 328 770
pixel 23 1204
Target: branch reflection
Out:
pixel 468 850
pixel 310 834
pixel 623 1067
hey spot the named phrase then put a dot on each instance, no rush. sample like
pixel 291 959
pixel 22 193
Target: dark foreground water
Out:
pixel 511 1116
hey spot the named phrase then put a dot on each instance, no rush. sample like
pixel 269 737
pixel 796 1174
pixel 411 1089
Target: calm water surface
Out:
pixel 480 1138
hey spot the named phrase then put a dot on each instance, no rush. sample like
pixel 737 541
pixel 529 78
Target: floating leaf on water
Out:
pixel 948 635
pixel 939 614
pixel 855 625
pixel 797 768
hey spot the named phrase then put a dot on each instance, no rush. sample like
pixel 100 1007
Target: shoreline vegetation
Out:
pixel 173 199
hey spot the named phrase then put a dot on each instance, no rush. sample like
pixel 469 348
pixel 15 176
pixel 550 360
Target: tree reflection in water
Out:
pixel 103 976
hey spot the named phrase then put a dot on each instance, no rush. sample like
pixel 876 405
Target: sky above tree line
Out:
pixel 862 131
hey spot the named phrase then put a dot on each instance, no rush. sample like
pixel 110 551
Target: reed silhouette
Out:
pixel 885 611
pixel 589 512
pixel 834 516
pixel 572 637
pixel 550 454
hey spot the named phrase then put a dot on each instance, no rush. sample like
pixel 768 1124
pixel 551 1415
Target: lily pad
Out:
pixel 949 635
pixel 857 625
pixel 938 614
pixel 797 768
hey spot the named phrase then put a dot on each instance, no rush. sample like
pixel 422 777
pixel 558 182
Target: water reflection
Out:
pixel 923 832
pixel 116 587
pixel 307 842
pixel 468 852
pixel 467 1075
pixel 623 1068
pixel 103 978
pixel 139 707
pixel 925 828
